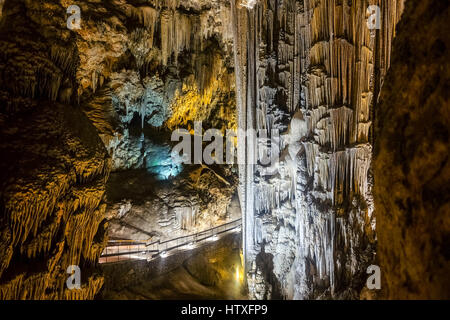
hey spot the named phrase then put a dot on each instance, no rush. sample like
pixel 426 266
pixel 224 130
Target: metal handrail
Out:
pixel 195 237
pixel 203 231
pixel 123 244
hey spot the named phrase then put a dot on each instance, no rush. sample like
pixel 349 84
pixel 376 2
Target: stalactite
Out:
pixel 48 205
pixel 55 210
pixel 320 60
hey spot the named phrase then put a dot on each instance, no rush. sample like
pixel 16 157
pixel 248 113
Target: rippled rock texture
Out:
pixel 54 166
pixel 53 176
pixel 154 65
pixel 411 166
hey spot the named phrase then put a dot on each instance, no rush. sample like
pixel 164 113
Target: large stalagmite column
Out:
pixel 240 57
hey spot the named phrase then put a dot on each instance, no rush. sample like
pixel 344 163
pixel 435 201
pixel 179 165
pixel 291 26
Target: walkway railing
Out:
pixel 121 250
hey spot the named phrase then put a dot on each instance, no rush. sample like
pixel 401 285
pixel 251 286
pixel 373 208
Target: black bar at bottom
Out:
pixel 232 309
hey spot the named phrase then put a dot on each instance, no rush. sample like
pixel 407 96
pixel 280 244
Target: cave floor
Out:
pixel 177 284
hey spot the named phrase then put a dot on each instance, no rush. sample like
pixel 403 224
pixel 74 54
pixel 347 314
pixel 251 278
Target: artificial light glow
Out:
pixel 193 103
pixel 138 257
pixel 214 238
pixel 163 254
pixel 161 162
pixel 190 246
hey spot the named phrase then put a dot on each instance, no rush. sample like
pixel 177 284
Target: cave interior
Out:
pixel 224 149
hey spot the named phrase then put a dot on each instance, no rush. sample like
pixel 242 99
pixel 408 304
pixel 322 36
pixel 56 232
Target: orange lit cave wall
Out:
pixel 67 100
pixel 214 104
pixel 159 65
pixel 53 178
pixel 54 166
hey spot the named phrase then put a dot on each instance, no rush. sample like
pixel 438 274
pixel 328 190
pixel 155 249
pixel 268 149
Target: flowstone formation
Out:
pixel 148 68
pixel 154 65
pixel 76 103
pixel 54 166
pixel 310 70
pixel 53 176
pixel 311 76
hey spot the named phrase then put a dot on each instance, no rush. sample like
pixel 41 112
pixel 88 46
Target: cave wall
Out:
pixel 65 95
pixel 134 65
pixel 53 174
pixel 54 166
pixel 411 158
pixel 311 70
pixel 157 65
pixel 147 68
